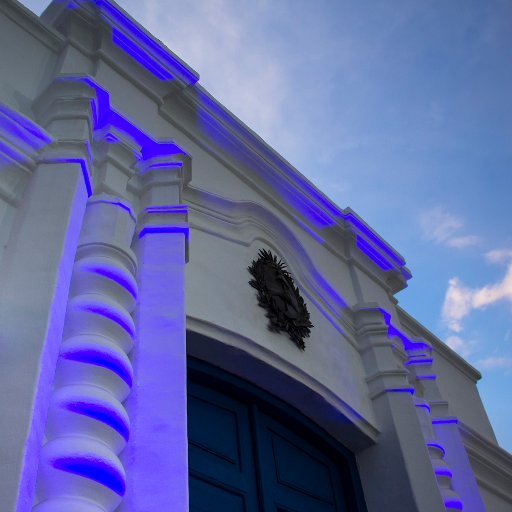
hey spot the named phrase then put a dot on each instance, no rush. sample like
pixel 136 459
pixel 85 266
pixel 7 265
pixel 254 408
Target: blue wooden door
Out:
pixel 297 476
pixel 242 458
pixel 221 460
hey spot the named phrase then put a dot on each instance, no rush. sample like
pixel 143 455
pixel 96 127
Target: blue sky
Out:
pixel 399 109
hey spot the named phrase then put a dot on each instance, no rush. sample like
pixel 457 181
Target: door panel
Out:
pixel 299 476
pixel 221 462
pixel 211 496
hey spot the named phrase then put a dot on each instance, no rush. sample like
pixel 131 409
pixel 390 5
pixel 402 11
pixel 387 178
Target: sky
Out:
pixel 401 110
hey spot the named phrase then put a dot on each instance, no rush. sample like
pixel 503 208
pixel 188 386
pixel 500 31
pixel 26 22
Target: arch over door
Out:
pixel 246 454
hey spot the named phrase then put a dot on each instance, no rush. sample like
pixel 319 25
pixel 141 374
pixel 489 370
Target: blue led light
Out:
pixel 139 45
pixel 103 359
pixel 419 361
pixel 367 249
pixel 117 277
pixel 361 226
pixel 113 315
pixel 25 137
pixel 443 471
pixel 93 469
pixel 104 414
pixel 164 229
pixel 129 47
pixel 424 406
pixel 405 389
pixel 26 133
pixel 105 116
pixel 437 446
pixel 83 167
pixel 453 504
pixel 441 421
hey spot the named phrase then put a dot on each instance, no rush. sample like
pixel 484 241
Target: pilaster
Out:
pixel 156 457
pixel 36 271
pixel 450 459
pixel 396 472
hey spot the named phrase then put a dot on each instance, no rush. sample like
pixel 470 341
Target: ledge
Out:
pixel 455 359
pixel 491 463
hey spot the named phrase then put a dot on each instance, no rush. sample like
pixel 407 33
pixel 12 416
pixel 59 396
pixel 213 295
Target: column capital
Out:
pixel 68 109
pixel 164 219
pixel 161 179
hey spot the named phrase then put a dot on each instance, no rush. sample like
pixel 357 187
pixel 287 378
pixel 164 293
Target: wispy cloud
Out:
pixel 216 38
pixel 461 346
pixel 460 242
pixel 457 304
pixel 499 255
pixel 442 227
pixel 460 300
pixel 494 362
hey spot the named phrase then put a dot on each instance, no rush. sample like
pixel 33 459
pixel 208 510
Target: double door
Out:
pixel 242 458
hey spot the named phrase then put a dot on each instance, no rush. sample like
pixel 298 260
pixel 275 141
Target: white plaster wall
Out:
pixel 20 44
pixel 462 395
pixel 493 502
pixel 218 292
pixel 18 86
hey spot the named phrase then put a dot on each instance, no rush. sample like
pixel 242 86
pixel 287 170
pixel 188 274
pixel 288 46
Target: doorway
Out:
pixel 250 452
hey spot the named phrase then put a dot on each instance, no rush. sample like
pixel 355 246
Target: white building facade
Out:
pixel 131 205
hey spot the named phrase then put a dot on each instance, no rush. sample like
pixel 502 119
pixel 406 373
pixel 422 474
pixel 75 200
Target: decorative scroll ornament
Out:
pixel 277 293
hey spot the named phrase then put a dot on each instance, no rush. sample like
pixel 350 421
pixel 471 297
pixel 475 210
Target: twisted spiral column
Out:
pixel 87 425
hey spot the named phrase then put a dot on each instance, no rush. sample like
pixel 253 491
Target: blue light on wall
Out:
pixel 139 45
pixel 93 469
pixel 109 360
pixel 104 414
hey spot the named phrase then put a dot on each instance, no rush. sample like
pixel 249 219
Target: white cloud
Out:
pixel 499 255
pixel 460 242
pixel 457 304
pixel 441 227
pixel 438 225
pixel 462 347
pixel 216 38
pixel 460 300
pixel 493 362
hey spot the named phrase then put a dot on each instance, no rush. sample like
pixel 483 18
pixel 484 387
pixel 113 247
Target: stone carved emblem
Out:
pixel 277 293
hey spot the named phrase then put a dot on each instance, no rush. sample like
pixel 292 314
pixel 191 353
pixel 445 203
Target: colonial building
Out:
pixel 186 322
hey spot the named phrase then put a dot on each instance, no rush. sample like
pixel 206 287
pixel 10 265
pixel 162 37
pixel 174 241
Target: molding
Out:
pixel 20 142
pixel 491 464
pixel 311 207
pixel 129 37
pixel 245 222
pixel 367 432
pixel 124 34
pixel 408 322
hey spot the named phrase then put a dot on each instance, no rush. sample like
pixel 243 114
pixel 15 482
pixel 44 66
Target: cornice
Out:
pixel 160 73
pixel 127 38
pixel 231 142
pixel 491 463
pixel 455 359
